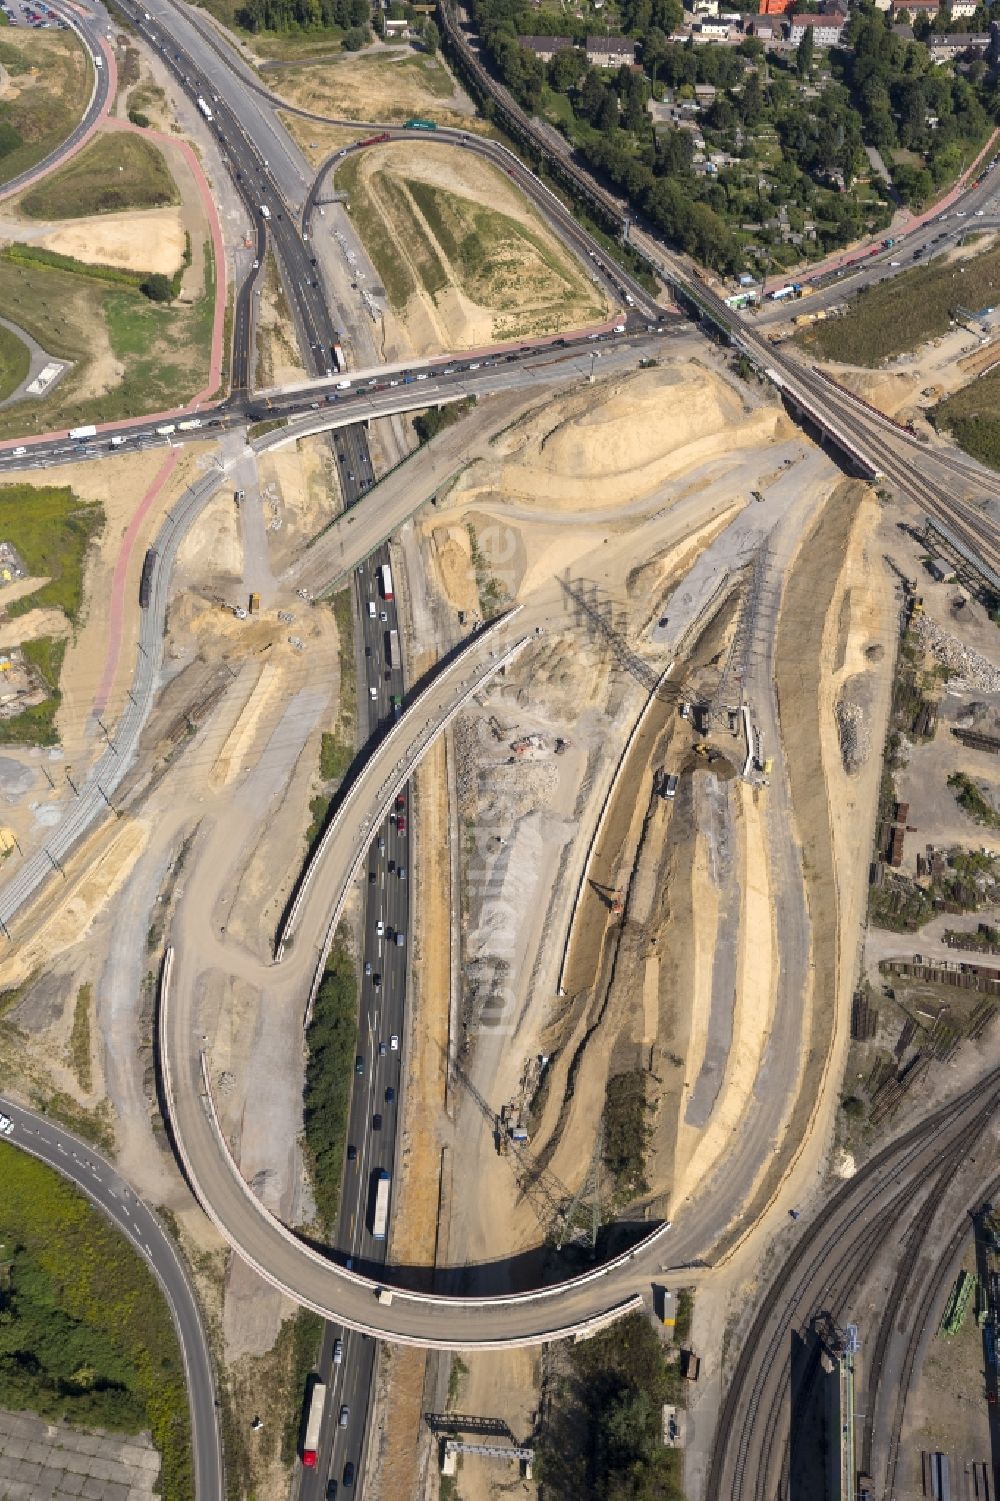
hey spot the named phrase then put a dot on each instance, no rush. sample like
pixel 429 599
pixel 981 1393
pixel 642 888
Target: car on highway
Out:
pixel 400 802
pixel 377 980
pixel 394 1042
pixel 338 1352
pixel 390 1095
pixel 401 824
pixel 331 1490
pixel 381 1049
pixel 348 1474
pixel 345 1416
pixel 401 872
pixel 359 1066
pixel 368 966
pixel 6 1126
pixel 376 1123
pixel 381 844
pixel 380 929
pixel 352 1152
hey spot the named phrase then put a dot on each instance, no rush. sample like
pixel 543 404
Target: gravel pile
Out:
pixel 972 671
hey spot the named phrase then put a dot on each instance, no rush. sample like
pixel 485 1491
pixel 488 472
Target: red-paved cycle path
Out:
pixel 116 623
pixel 908 225
pixel 119 578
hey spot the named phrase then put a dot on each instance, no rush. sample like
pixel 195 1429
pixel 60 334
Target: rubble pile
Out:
pixel 855 741
pixel 972 671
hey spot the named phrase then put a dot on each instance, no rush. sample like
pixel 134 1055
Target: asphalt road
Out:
pixel 94 1175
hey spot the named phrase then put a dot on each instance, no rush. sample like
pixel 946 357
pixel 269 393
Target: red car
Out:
pixel 401 824
pixel 400 801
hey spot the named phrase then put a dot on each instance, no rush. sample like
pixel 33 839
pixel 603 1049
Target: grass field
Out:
pixel 972 416
pixel 115 171
pixel 441 239
pixel 52 531
pixel 900 314
pixel 85 1335
pixel 37 725
pixel 152 356
pixel 15 361
pixel 50 80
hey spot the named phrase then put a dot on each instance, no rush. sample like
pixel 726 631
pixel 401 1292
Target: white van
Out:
pixel 371 609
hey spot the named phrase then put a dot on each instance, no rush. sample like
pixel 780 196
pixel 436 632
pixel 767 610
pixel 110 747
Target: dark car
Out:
pixel 371 878
pixel 390 1095
pixel 352 1152
pixel 376 979
pixel 331 1491
pixel 376 1123
pixel 348 1474
pixel 359 1065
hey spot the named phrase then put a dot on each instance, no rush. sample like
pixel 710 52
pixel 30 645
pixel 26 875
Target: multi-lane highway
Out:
pixel 89 1171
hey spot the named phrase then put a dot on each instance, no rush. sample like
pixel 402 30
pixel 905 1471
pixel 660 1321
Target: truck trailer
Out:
pixel 385 576
pixel 314 1425
pixel 380 1207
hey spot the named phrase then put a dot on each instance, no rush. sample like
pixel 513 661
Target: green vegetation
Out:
pixel 52 530
pixel 53 77
pixel 302 1332
pixel 428 424
pixel 79 316
pixel 331 1041
pixel 37 725
pixel 971 800
pixel 336 749
pixel 793 182
pixel 115 171
pixel 683 1316
pixel 291 28
pixel 79 1039
pixel 601 1435
pixel 899 314
pixel 626 1133
pixel 15 362
pixel 493 597
pixel 970 880
pixel 85 1335
pixel 972 416
pixel 457 1374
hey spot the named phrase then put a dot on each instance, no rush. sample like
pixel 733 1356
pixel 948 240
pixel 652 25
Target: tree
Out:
pixel 157 288
pixel 566 68
pixel 430 36
pixel 355 38
pixel 804 53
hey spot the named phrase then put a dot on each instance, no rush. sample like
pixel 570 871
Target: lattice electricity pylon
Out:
pixel 755 625
pixel 543 1190
pixel 589 1190
pixel 600 617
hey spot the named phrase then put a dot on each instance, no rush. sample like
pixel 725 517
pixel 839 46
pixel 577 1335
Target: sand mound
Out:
pixel 606 446
pixel 150 240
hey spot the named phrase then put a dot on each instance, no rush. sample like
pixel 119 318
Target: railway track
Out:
pixel 929 1302
pixel 824 1247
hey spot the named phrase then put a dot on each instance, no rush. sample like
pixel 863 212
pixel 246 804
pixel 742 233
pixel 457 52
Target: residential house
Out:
pixel 544 47
pixel 826 30
pixel 610 51
pixel 961 8
pixel 908 10
pixel 943 49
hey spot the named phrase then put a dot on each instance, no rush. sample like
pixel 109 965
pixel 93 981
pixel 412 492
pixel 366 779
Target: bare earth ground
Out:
pixel 143 240
pixel 527 285
pixel 389 85
pixel 118 484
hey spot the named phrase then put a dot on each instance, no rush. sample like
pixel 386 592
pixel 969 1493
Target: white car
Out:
pixel 380 929
pixel 394 1042
pixel 6 1126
